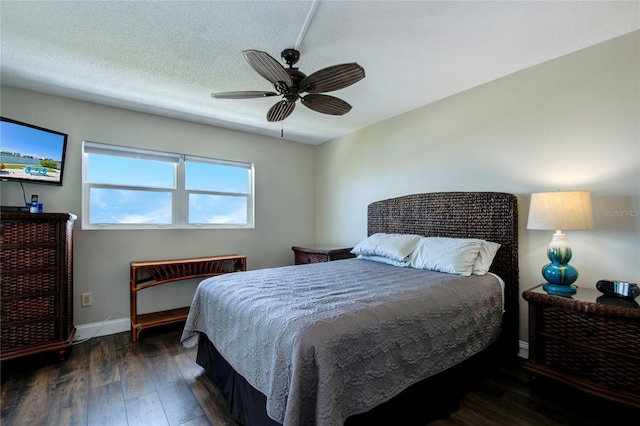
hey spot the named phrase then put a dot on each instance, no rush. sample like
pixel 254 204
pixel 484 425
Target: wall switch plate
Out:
pixel 87 299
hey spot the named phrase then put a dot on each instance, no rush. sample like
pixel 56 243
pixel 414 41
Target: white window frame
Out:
pixel 180 195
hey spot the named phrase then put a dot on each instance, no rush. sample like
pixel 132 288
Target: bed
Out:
pixel 318 344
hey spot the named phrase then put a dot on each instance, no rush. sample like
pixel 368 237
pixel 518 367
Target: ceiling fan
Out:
pixel 290 83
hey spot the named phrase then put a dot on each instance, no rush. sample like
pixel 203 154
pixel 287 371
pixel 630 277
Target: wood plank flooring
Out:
pixel 111 380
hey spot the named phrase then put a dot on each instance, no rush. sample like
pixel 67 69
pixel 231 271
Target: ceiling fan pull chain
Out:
pixel 281 130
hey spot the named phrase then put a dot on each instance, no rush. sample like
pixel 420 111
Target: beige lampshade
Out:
pixel 570 210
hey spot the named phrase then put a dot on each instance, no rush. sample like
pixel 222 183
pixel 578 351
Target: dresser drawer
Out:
pixel 28 258
pixel 28 334
pixel 596 366
pixel 32 233
pixel 27 283
pixel 28 308
pixel 597 331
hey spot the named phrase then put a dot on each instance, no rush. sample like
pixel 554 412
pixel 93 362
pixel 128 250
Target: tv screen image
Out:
pixel 30 153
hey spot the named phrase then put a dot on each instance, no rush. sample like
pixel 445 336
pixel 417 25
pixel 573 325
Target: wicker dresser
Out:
pixel 318 254
pixel 588 341
pixel 37 285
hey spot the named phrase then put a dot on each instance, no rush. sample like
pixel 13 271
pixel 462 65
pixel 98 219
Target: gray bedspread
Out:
pixel 328 340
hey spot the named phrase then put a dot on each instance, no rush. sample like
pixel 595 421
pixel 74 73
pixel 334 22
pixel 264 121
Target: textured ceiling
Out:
pixel 167 57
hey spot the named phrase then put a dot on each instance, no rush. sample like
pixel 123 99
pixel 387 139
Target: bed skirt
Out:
pixel 247 405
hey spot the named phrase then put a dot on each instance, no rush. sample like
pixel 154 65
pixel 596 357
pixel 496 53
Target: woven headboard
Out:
pixel 491 216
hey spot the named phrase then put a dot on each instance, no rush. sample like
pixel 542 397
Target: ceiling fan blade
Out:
pixel 332 78
pixel 281 110
pixel 247 94
pixel 326 104
pixel 267 66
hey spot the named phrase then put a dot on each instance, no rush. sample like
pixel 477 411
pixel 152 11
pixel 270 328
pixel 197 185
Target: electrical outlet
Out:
pixel 87 299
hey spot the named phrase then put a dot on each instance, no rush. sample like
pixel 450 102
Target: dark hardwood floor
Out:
pixel 111 380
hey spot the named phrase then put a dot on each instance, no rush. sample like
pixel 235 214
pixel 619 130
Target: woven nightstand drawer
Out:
pixel 598 367
pixel 617 334
pixel 304 258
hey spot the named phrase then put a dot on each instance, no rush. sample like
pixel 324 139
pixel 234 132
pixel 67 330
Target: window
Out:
pixel 128 188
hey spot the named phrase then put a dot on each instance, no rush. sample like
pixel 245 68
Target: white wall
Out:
pixel 570 123
pixel 285 198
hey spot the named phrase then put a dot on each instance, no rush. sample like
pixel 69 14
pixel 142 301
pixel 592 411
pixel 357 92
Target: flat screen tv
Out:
pixel 30 153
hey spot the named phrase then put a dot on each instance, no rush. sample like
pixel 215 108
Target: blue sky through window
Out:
pixel 204 208
pixel 217 191
pixel 129 206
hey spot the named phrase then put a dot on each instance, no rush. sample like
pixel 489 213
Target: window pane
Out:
pixel 113 170
pixel 201 176
pixel 217 209
pixel 115 206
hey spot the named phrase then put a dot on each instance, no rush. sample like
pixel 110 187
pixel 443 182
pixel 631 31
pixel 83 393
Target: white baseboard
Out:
pixel 524 349
pixel 102 328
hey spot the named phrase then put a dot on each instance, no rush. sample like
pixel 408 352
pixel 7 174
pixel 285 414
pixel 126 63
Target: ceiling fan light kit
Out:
pixel 291 83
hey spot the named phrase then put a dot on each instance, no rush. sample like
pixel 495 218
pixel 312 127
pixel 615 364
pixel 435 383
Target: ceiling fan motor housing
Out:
pixel 290 56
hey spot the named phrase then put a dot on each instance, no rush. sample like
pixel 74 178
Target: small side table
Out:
pixel 318 254
pixel 150 273
pixel 588 341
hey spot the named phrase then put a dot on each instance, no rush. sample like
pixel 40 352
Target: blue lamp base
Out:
pixel 559 274
pixel 559 289
pixel 559 279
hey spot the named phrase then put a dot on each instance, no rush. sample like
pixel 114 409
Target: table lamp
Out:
pixel 562 210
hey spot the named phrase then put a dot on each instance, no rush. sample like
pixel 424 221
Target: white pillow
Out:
pixel 380 259
pixel 442 254
pixel 392 246
pixel 485 257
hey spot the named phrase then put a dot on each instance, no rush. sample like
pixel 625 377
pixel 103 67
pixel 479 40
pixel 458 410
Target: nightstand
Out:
pixel 588 341
pixel 317 254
